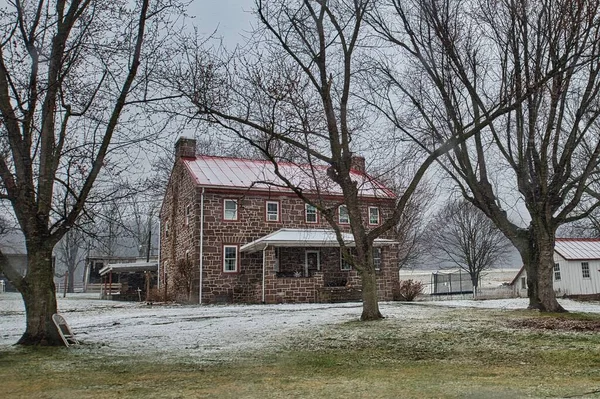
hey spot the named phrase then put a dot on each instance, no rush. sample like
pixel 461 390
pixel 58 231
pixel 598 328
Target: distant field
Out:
pixel 421 350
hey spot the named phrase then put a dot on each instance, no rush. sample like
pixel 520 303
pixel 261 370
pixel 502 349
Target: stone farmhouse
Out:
pixel 249 239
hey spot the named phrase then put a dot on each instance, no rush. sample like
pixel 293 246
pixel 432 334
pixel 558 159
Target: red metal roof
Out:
pixel 240 173
pixel 578 248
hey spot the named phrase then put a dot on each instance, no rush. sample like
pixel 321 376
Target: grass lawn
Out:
pixel 463 353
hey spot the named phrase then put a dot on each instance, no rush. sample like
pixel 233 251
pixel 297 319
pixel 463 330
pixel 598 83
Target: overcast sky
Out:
pixel 231 18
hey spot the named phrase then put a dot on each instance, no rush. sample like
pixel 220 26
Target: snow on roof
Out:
pixel 226 172
pixel 578 248
pixel 305 238
pixel 129 267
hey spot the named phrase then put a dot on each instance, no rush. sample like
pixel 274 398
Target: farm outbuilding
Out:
pixel 576 268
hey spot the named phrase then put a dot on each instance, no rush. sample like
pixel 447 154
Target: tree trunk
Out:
pixel 539 264
pixel 71 281
pixel 369 295
pixel 40 299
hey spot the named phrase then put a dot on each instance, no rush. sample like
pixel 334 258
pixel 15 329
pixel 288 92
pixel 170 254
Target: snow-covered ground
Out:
pixel 215 332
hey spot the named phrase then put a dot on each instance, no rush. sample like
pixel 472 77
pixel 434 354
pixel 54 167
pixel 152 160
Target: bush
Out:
pixel 407 290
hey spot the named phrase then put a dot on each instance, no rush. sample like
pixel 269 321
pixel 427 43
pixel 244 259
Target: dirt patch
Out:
pixel 556 323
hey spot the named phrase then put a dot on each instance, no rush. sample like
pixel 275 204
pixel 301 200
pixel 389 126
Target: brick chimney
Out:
pixel 357 163
pixel 185 148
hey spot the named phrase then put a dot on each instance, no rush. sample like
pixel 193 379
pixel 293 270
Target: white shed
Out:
pixel 576 268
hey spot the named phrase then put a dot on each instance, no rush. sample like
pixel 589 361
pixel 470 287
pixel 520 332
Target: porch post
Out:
pixel 268 286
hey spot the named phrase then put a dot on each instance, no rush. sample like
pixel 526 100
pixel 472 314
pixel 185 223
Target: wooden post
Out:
pixel 66 285
pixel 148 278
pixel 109 285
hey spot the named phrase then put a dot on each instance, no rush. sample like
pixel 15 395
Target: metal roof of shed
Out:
pixel 311 238
pixel 129 267
pixel 227 172
pixel 578 248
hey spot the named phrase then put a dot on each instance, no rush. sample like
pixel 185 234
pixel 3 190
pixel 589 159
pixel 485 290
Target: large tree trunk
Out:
pixel 369 295
pixel 540 266
pixel 40 299
pixel 71 281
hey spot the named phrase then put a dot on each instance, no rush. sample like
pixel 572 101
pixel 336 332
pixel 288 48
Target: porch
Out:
pixel 303 265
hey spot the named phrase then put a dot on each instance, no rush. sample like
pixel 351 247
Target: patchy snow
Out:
pixel 210 333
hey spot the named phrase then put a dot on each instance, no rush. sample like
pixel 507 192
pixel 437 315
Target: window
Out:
pixel 187 256
pixel 312 260
pixel 230 255
pixel 230 209
pixel 345 265
pixel 377 257
pixel 556 272
pixel 373 215
pixel 310 214
pixel 188 211
pixel 343 216
pixel 585 270
pixel 523 283
pixel 167 229
pixel 272 210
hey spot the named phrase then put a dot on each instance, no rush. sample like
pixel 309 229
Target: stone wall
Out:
pixel 180 216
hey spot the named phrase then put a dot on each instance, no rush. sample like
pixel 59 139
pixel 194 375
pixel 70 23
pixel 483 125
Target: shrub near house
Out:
pixel 256 242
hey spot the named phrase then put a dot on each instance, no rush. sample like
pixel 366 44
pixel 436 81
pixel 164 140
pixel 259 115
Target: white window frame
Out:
pixel 377 260
pixel 371 222
pixel 312 251
pixel 306 213
pixel 523 283
pixel 585 270
pixel 347 219
pixel 556 272
pixel 236 258
pixel 188 211
pixel 269 214
pixel 225 201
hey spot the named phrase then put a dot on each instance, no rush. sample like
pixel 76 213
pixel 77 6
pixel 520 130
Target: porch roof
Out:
pixel 129 267
pixel 305 238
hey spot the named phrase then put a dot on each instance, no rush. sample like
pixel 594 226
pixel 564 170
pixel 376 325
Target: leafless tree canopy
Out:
pixel 74 79
pixel 527 72
pixel 463 235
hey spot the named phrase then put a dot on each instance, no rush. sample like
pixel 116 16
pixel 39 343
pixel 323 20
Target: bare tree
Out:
pixel 291 96
pixel 70 252
pixel 69 73
pixel 528 71
pixel 462 234
pixel 185 273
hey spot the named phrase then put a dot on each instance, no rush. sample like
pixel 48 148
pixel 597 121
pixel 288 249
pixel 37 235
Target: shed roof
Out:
pixel 129 267
pixel 310 238
pixel 578 248
pixel 240 173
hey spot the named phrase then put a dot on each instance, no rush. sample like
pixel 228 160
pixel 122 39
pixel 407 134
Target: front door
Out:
pixel 312 262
